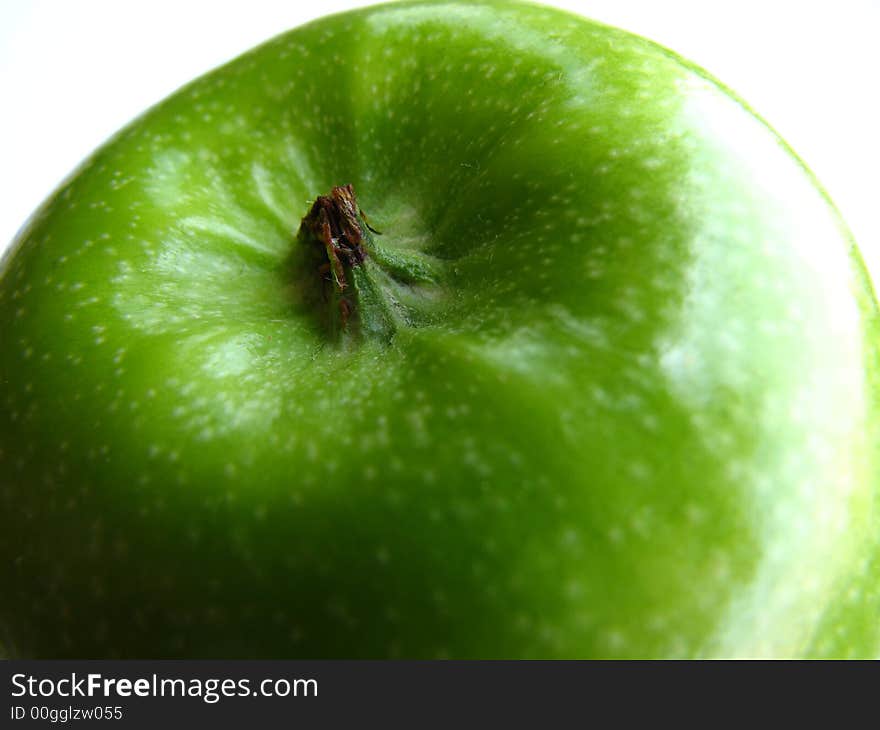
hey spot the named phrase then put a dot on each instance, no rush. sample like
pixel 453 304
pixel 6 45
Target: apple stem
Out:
pixel 336 227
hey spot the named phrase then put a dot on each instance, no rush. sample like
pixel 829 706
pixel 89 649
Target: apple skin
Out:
pixel 631 412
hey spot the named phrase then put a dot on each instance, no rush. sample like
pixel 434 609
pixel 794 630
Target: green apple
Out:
pixel 440 329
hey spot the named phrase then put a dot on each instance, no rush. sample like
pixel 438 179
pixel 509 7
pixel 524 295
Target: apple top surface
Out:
pixel 606 385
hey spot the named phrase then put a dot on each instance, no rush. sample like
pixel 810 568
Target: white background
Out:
pixel 72 73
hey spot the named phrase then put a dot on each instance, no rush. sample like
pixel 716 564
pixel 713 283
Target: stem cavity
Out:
pixel 367 290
